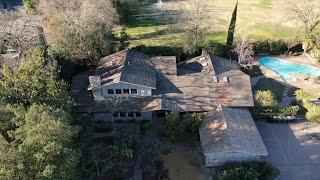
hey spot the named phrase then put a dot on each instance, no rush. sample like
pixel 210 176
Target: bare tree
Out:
pixel 19 30
pixel 194 19
pixel 80 30
pixel 304 12
pixel 245 52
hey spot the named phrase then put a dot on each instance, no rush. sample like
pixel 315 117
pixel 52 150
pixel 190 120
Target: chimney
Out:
pixel 204 53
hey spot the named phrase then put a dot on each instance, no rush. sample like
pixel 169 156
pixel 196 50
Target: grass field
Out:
pixel 260 19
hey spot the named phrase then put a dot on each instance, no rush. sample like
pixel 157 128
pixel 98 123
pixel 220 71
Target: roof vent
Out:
pixel 204 64
pixel 225 79
pixel 215 79
pixel 202 58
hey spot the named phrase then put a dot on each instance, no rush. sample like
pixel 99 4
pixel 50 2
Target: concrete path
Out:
pixel 293 149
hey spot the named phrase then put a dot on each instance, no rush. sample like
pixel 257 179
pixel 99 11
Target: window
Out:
pixel 125 91
pixel 118 91
pixel 110 91
pixel 115 114
pixel 138 114
pixel 123 114
pixel 134 91
pixel 130 114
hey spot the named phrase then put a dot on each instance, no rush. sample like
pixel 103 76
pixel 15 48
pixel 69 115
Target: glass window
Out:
pixel 115 114
pixel 130 114
pixel 138 114
pixel 125 91
pixel 110 91
pixel 118 91
pixel 123 114
pixel 134 91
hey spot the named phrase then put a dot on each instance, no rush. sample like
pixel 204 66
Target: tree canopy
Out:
pixel 40 144
pixel 35 81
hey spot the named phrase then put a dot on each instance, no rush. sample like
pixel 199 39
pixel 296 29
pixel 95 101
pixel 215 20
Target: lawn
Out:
pixel 254 18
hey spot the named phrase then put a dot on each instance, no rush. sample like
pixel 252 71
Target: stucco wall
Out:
pixel 220 158
pixel 141 91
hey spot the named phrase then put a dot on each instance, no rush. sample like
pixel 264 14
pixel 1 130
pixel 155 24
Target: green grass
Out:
pixel 254 18
pixel 271 84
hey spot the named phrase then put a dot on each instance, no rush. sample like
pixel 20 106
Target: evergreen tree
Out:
pixel 35 81
pixel 232 26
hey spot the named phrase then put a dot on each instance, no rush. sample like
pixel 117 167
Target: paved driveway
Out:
pixel 293 149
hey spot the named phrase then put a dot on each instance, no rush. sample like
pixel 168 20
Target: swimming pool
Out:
pixel 284 68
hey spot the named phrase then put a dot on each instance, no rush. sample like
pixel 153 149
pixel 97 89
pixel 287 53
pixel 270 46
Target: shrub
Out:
pixel 312 110
pixel 216 48
pixel 265 98
pixel 248 171
pixel 288 111
pixel 176 127
pixel 274 47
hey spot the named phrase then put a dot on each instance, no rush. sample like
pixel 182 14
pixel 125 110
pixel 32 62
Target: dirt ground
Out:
pixel 180 168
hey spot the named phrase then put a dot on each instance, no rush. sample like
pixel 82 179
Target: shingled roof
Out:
pixel 128 66
pixel 231 130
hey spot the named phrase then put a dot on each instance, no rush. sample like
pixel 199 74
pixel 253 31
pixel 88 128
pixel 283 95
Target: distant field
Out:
pixel 261 19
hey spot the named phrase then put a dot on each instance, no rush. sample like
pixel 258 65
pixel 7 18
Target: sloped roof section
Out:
pixel 128 66
pixel 231 130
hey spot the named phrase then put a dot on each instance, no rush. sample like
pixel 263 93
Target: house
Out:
pixel 130 85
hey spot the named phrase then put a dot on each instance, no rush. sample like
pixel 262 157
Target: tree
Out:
pixel 232 26
pixel 19 30
pixel 80 31
pixel 35 81
pixel 245 52
pixel 41 146
pixel 195 21
pixel 306 13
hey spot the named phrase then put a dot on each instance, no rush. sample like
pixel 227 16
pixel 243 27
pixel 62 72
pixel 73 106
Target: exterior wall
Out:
pixel 221 158
pixel 141 91
pixel 105 117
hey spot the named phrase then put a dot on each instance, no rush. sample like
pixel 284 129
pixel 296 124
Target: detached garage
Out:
pixel 230 134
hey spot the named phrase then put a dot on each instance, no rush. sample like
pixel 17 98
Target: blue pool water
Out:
pixel 284 68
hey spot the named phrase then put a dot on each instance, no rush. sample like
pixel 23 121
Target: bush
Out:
pixel 176 127
pixel 216 48
pixel 287 111
pixel 265 98
pixel 248 171
pixel 312 110
pixel 274 47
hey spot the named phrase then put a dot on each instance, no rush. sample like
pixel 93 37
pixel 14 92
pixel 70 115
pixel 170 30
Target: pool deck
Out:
pixel 306 85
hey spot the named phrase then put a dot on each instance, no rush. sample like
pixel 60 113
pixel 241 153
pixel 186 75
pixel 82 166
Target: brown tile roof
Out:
pixel 231 130
pixel 166 65
pixel 197 84
pixel 127 66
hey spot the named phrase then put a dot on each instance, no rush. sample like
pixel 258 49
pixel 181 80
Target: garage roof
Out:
pixel 231 130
